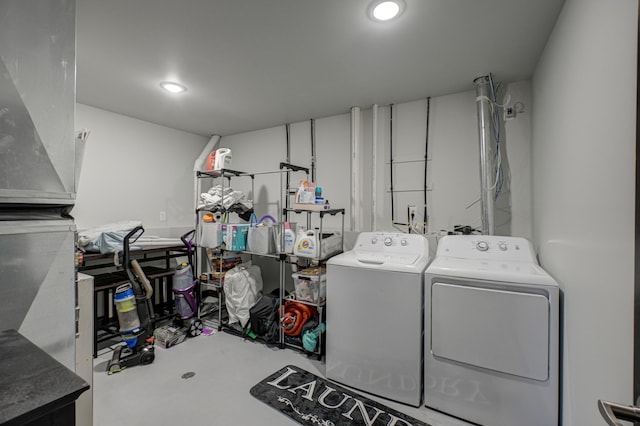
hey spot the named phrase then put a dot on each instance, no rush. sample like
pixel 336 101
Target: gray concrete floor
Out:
pixel 225 368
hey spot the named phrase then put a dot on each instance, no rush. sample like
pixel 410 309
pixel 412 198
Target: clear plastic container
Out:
pixel 183 278
pixel 126 308
pixel 310 288
pixel 183 285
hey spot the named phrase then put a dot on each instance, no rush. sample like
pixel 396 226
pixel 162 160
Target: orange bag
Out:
pixel 295 316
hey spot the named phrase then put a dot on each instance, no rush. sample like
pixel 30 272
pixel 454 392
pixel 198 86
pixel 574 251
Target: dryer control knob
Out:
pixel 502 246
pixel 374 240
pixel 482 245
pixel 403 242
pixel 388 241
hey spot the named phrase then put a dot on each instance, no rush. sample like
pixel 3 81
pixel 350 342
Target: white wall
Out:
pixel 133 170
pixel 263 150
pixel 258 152
pixel 453 167
pixel 453 171
pixel 584 91
pixel 518 133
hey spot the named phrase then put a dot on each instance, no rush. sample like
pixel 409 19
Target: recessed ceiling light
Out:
pixel 172 87
pixel 386 10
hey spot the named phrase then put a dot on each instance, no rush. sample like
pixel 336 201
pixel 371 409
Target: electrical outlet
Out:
pixel 509 113
pixel 163 216
pixel 413 211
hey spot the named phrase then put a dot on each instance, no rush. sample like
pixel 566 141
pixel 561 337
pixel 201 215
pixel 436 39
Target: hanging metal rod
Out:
pixel 408 190
pixel 404 161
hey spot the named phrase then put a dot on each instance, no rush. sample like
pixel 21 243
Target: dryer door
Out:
pixel 500 330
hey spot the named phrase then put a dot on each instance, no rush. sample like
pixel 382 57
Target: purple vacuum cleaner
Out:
pixel 184 291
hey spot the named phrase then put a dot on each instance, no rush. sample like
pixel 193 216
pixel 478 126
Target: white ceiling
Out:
pixel 253 64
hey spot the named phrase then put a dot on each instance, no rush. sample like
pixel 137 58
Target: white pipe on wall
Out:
pixel 374 168
pixel 356 193
pixel 198 165
pixel 484 134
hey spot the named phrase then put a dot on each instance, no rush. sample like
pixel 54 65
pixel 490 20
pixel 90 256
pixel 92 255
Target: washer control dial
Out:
pixel 502 246
pixel 482 246
pixel 403 242
pixel 374 240
pixel 388 241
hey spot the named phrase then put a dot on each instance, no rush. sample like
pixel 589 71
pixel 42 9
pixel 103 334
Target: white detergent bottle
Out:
pixel 306 244
pixel 289 238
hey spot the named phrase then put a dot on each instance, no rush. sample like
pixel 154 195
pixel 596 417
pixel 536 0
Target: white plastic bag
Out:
pixel 242 289
pixel 260 237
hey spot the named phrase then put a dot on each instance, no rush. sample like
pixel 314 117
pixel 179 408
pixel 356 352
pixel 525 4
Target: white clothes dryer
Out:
pixel 492 333
pixel 375 315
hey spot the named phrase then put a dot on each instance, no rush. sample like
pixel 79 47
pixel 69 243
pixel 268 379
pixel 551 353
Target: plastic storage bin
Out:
pixel 310 288
pixel 183 291
pixel 126 308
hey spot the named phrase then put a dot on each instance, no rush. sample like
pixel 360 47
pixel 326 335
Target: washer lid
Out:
pixel 381 258
pixel 487 247
pixel 512 272
pixel 410 263
pixel 389 251
pixel 391 242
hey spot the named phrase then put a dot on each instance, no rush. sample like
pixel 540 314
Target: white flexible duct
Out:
pixel 356 193
pixel 198 165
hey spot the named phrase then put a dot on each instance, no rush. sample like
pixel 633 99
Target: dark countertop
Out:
pixel 32 383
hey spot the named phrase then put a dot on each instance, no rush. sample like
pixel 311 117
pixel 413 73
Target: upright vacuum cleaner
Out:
pixel 185 322
pixel 135 313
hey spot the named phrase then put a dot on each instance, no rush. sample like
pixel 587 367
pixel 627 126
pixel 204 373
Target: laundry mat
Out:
pixel 312 400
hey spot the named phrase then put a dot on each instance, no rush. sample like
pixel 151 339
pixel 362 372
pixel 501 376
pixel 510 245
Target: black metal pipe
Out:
pixel 636 321
pixel 287 142
pixel 426 159
pixel 313 150
pixel 288 160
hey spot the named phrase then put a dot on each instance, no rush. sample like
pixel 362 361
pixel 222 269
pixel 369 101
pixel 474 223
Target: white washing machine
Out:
pixel 492 333
pixel 375 315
